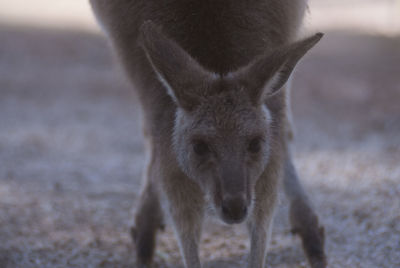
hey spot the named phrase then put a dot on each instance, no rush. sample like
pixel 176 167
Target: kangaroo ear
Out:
pixel 175 68
pixel 267 74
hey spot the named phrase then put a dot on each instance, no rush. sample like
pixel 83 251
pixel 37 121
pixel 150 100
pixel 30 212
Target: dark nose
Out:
pixel 234 209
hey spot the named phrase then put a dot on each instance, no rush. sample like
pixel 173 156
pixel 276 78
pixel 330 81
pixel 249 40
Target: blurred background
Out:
pixel 71 151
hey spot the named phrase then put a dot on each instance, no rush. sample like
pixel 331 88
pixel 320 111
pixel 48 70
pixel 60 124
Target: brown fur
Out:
pixel 210 76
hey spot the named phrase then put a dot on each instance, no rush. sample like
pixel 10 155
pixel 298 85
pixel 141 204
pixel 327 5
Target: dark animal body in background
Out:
pixel 210 76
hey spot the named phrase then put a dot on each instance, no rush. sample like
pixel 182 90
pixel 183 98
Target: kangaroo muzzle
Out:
pixel 234 197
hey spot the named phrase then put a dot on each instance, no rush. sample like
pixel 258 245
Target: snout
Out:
pixel 234 209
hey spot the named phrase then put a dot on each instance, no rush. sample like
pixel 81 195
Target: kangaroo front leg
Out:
pixel 260 225
pixel 186 208
pixel 189 241
pixel 303 219
pixel 259 237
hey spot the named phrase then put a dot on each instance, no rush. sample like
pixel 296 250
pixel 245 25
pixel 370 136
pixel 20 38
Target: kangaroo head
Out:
pixel 222 132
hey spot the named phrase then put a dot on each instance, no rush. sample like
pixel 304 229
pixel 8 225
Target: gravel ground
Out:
pixel 71 156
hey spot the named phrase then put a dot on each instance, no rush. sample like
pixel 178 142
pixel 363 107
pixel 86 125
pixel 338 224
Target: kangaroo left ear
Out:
pixel 175 68
pixel 267 74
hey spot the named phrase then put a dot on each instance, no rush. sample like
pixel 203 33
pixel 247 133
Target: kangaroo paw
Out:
pixel 144 239
pixel 305 224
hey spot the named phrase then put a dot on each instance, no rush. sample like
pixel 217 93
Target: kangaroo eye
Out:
pixel 254 145
pixel 201 148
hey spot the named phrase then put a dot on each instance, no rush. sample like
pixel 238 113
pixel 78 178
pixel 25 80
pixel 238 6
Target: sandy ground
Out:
pixel 71 155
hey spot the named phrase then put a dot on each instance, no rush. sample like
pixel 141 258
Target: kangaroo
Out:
pixel 211 77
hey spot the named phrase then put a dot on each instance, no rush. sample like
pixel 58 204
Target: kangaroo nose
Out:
pixel 234 209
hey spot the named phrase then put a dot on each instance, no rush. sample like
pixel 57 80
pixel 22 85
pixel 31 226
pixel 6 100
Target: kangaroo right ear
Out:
pixel 175 68
pixel 267 74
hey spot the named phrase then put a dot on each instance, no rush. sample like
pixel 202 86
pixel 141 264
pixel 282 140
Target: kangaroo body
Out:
pixel 210 77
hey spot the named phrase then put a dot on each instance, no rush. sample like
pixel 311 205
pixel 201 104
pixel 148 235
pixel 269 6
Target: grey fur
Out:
pixel 210 77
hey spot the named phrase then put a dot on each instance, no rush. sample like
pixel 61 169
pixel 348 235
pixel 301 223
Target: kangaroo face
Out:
pixel 222 128
pixel 223 145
